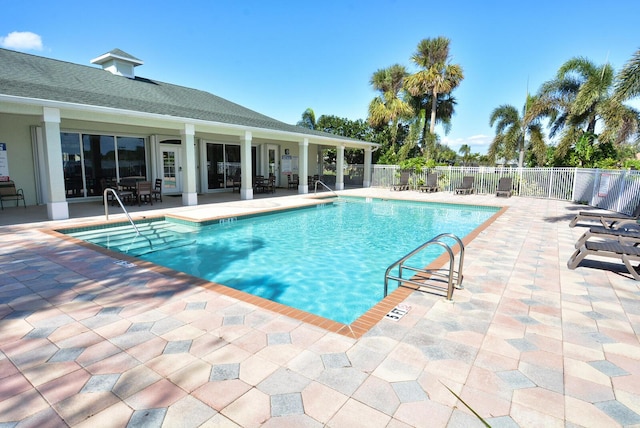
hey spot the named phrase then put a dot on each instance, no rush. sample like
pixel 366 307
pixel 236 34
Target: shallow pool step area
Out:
pixel 154 236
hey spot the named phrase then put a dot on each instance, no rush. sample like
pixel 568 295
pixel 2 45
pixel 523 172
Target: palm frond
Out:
pixel 628 80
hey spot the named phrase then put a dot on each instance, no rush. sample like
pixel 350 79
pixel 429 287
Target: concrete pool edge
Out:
pixel 355 330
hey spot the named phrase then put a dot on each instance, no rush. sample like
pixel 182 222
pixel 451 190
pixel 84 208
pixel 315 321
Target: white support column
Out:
pixel 368 157
pixel 57 206
pixel 303 186
pixel 340 167
pixel 189 170
pixel 246 184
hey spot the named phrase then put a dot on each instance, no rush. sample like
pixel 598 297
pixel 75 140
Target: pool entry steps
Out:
pixel 144 238
pixel 430 278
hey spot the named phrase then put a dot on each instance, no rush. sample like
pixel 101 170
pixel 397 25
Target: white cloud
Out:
pixel 23 40
pixel 478 143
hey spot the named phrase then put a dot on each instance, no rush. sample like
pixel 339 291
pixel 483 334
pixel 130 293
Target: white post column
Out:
pixel 189 171
pixel 368 157
pixel 340 167
pixel 303 185
pixel 56 196
pixel 246 180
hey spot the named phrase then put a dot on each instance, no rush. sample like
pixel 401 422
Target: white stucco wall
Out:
pixel 15 132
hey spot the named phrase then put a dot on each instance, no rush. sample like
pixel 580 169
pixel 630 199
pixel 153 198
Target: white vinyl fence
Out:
pixel 616 190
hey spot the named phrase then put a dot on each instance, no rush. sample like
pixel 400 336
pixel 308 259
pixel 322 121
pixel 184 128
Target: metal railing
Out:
pixel 315 190
pixel 451 275
pixel 106 212
pixel 616 190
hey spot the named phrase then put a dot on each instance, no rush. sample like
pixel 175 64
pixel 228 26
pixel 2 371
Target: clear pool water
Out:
pixel 328 260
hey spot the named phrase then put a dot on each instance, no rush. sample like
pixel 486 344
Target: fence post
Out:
pixel 521 174
pixel 551 182
pixel 575 183
pixel 623 179
pixel 596 185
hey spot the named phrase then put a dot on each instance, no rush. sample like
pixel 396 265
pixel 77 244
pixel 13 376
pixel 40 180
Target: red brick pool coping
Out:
pixel 354 330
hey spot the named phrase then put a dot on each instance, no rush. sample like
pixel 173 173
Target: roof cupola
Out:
pixel 118 62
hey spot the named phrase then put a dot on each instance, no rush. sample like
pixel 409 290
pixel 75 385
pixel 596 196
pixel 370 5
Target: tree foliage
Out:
pixel 308 119
pixel 389 107
pixel 628 80
pixel 580 101
pixel 515 133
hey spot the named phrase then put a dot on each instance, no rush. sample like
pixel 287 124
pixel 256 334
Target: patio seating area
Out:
pixel 87 340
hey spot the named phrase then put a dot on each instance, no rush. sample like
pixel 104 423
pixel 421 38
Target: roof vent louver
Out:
pixel 118 62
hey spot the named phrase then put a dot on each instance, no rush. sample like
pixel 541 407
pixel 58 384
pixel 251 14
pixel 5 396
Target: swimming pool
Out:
pixel 328 260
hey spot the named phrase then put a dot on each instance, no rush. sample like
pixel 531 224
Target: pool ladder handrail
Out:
pixel 451 276
pixel 106 213
pixel 324 185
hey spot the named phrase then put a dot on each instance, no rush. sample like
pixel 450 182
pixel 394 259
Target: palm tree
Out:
pixel 628 80
pixel 389 108
pixel 580 102
pixel 512 131
pixel 436 75
pixel 308 119
pixel 464 150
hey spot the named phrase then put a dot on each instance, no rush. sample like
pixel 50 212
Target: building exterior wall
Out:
pixel 15 132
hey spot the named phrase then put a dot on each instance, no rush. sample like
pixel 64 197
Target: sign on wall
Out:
pixel 289 164
pixel 4 163
pixel 603 189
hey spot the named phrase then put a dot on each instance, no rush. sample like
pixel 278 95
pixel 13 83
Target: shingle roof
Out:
pixel 32 76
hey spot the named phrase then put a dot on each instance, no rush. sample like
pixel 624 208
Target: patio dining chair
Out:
pixel 157 190
pixel 144 192
pixel 293 181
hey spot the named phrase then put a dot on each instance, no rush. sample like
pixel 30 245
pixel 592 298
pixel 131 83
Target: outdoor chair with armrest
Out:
pixel 404 181
pixel 623 251
pixel 630 236
pixel 609 219
pixel 9 192
pixel 432 183
pixel 466 188
pixel 505 187
pixel 144 192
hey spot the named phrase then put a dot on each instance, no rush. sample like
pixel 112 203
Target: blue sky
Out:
pixel 281 57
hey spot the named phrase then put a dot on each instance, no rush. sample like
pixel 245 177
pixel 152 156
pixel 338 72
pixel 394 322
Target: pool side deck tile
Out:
pixel 526 342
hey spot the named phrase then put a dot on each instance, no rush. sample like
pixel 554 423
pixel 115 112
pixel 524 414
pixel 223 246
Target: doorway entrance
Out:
pixel 273 162
pixel 171 168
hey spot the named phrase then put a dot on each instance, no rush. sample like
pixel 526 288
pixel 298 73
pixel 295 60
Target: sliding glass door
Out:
pixel 223 164
pixel 89 160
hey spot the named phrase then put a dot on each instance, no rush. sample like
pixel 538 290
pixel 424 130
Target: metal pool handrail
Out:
pixel 325 186
pixel 106 211
pixel 451 275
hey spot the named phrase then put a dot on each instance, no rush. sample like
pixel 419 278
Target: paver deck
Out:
pixel 85 341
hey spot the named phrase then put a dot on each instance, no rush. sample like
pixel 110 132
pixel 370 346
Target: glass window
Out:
pixel 99 161
pixel 232 153
pixel 72 164
pixel 89 159
pixel 131 157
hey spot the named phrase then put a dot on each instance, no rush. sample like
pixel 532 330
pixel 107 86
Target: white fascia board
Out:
pixel 180 121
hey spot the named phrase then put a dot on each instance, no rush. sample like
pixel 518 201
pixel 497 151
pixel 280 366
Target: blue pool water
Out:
pixel 329 260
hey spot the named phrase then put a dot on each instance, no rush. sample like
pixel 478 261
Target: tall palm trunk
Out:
pixel 434 103
pixel 521 155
